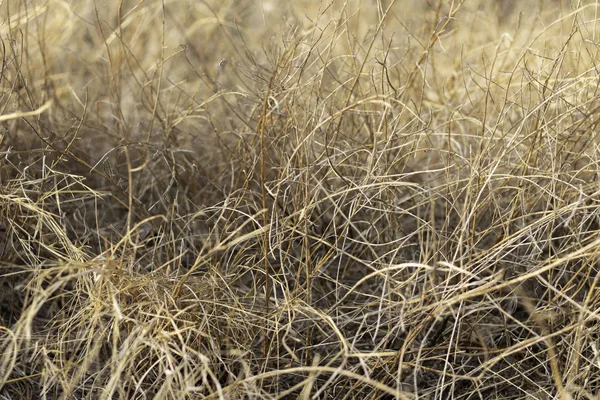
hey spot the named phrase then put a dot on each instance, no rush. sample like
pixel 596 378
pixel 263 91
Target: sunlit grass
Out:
pixel 344 199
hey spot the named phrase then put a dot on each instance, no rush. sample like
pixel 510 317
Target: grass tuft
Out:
pixel 383 199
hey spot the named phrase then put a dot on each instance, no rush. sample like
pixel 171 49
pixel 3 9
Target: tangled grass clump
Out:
pixel 386 199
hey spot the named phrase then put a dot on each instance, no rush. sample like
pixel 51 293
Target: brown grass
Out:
pixel 368 199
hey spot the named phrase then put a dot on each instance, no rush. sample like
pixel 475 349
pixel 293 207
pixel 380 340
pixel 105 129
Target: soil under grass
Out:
pixel 337 199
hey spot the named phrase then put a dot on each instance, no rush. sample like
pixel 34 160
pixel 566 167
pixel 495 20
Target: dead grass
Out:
pixel 346 199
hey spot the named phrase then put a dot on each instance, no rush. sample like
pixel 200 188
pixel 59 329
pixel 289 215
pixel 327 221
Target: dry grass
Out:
pixel 368 199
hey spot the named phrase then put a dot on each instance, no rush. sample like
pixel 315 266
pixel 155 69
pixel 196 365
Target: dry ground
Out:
pixel 336 199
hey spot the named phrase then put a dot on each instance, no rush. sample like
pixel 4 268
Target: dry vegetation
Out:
pixel 336 199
